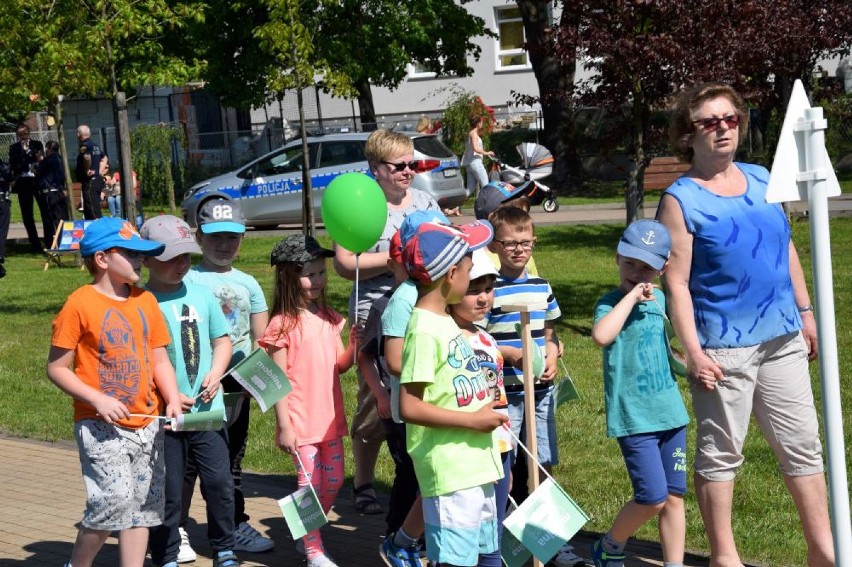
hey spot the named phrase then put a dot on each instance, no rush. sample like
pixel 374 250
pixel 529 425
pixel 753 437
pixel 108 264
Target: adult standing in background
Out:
pixel 22 157
pixel 50 176
pixel 88 163
pixel 389 155
pixel 741 309
pixel 477 177
pixel 5 212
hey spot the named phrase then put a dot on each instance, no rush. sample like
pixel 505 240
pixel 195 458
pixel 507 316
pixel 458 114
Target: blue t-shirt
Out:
pixel 194 319
pixel 740 282
pixel 640 391
pixel 240 296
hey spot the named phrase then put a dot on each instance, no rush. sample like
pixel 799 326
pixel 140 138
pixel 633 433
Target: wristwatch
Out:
pixel 805 309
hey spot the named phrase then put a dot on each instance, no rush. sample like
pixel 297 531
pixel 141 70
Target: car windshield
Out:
pixel 287 160
pixel 432 146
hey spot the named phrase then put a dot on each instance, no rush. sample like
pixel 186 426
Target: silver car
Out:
pixel 270 187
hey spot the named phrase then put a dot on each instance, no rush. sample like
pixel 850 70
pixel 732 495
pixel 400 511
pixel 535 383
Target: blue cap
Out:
pixel 437 247
pixel 648 241
pixel 409 225
pixel 113 232
pixel 221 215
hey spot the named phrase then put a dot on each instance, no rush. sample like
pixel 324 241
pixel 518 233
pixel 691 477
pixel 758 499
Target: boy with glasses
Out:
pixel 108 352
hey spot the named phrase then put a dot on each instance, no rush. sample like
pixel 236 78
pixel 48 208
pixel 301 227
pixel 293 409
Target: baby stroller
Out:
pixel 537 163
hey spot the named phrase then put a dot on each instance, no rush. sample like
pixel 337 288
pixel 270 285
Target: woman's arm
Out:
pixel 800 291
pixel 370 264
pixel 476 144
pixel 700 367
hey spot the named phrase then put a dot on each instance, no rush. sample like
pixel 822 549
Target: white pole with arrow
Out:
pixel 802 171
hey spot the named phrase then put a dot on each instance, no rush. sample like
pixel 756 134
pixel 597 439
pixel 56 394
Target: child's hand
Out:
pixel 186 402
pixel 486 419
pixel 383 405
pixel 209 388
pixel 704 371
pixel 110 409
pixel 643 292
pixel 356 334
pixel 549 372
pixel 173 410
pixel 285 439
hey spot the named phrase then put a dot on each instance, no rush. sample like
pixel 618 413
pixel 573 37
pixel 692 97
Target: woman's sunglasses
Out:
pixel 400 167
pixel 712 124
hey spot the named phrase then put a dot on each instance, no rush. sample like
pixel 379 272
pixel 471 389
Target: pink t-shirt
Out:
pixel 316 402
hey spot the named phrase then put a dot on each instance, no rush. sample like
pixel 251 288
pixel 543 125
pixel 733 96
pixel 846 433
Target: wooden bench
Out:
pixel 662 172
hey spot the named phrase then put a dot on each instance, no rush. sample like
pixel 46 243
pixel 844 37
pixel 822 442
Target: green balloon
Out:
pixel 354 211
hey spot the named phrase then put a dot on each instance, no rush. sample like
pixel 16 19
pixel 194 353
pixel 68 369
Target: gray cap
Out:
pixel 175 233
pixel 221 215
pixel 299 249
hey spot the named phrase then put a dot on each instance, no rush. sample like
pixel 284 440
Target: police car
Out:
pixel 269 188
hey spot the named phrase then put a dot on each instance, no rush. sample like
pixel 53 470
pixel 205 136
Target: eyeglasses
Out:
pixel 129 254
pixel 400 167
pixel 712 124
pixel 512 245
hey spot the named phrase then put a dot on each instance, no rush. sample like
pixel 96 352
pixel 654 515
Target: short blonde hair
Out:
pixel 511 217
pixel 681 126
pixel 383 145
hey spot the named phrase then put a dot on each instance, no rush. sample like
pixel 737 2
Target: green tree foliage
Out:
pixel 152 149
pixel 643 52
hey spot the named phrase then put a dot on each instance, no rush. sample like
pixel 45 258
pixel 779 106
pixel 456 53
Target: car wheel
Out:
pixel 550 205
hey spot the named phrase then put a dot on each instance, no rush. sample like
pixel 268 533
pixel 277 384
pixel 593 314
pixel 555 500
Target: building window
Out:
pixel 419 71
pixel 510 41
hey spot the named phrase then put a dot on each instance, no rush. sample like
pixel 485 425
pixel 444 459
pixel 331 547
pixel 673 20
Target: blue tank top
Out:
pixel 740 282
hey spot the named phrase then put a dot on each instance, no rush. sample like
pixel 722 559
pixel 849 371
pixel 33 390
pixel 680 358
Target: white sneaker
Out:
pixel 566 557
pixel 321 560
pixel 185 553
pixel 246 538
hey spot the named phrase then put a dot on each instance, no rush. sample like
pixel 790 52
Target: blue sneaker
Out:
pixel 395 556
pixel 603 558
pixel 414 556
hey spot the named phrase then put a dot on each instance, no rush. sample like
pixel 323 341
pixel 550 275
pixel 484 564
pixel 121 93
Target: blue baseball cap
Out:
pixel 409 225
pixel 436 247
pixel 494 194
pixel 221 215
pixel 648 241
pixel 113 232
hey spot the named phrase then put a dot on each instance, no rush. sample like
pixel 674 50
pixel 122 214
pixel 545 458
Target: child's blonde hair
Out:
pixel 511 217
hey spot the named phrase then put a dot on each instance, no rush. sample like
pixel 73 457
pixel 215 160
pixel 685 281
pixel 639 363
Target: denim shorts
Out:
pixel 461 525
pixel 124 472
pixel 656 464
pixel 545 423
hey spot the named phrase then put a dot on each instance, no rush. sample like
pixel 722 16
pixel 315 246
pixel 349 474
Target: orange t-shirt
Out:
pixel 112 342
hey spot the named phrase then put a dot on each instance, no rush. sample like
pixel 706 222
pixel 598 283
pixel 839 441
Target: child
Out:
pixel 514 239
pixel 114 336
pixel 221 226
pixel 200 353
pixel 473 307
pixel 303 338
pixel 445 404
pixel 644 409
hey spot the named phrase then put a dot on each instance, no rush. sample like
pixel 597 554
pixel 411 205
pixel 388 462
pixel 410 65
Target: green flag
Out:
pixel 513 552
pixel 199 421
pixel 564 391
pixel 545 520
pixel 262 378
pixel 302 512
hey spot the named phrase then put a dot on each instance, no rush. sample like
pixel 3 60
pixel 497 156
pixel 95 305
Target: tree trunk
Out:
pixel 555 84
pixel 365 103
pixel 128 197
pixel 307 189
pixel 634 192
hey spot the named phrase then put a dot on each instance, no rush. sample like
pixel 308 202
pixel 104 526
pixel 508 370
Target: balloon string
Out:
pixel 357 301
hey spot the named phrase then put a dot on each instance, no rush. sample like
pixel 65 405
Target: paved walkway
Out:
pixel 44 499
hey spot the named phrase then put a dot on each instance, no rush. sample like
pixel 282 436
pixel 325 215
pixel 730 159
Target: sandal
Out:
pixel 365 500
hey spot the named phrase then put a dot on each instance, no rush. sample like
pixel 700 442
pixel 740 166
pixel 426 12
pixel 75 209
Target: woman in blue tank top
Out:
pixel 740 306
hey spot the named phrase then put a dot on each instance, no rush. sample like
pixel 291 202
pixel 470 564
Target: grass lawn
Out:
pixel 578 261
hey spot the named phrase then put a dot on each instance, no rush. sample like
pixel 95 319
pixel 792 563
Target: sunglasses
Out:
pixel 400 167
pixel 712 124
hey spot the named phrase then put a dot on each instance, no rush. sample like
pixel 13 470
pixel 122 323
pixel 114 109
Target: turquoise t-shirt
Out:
pixel 239 296
pixel 742 294
pixel 398 311
pixel 194 319
pixel 640 391
pixel 447 459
